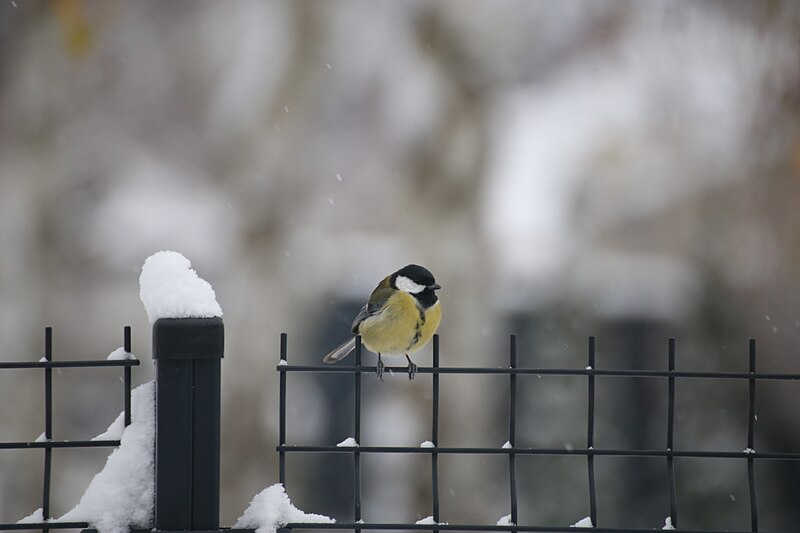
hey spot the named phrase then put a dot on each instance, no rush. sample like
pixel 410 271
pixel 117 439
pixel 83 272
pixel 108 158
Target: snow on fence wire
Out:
pixel 511 450
pixel 187 353
pixel 45 440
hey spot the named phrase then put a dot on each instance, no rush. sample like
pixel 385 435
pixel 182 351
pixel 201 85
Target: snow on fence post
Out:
pixel 187 353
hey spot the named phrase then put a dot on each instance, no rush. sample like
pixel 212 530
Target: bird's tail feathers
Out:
pixel 341 351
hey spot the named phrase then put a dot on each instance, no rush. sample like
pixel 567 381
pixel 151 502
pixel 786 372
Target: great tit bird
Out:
pixel 401 316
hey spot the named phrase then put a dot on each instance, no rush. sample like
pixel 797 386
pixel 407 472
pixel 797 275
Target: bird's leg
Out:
pixel 379 370
pixel 412 368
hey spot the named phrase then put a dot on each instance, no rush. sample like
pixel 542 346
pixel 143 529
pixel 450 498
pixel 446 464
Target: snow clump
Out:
pixel 170 288
pixel 272 509
pixel 122 493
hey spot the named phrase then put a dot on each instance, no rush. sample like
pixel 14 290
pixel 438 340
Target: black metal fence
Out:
pixel 188 352
pixel 47 442
pixel 590 373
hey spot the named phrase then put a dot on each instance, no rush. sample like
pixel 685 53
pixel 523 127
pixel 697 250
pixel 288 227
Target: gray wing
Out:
pixel 367 311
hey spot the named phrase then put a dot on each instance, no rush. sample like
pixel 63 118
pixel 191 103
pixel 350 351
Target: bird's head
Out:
pixel 414 279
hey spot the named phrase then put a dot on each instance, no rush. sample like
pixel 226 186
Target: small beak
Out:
pixel 435 287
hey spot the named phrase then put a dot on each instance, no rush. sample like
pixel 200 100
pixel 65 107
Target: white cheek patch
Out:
pixel 405 284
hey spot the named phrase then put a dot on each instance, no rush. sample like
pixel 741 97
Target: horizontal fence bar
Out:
pixel 100 363
pixel 44 525
pixel 486 527
pixel 542 372
pixel 542 451
pixel 49 444
pixel 222 529
pixel 373 527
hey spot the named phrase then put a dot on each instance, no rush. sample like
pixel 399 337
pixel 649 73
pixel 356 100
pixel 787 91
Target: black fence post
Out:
pixel 187 354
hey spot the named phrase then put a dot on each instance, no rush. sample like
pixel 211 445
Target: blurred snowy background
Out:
pixel 624 169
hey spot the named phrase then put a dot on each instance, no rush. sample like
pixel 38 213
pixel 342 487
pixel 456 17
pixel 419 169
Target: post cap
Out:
pixel 188 338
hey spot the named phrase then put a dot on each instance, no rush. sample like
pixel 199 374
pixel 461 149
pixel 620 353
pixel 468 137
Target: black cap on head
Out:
pixel 417 274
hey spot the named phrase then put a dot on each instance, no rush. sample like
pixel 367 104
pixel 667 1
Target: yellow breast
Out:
pixel 402 327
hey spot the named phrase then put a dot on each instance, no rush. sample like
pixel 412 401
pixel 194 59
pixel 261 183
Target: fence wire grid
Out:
pixel 749 455
pixel 45 441
pixel 591 372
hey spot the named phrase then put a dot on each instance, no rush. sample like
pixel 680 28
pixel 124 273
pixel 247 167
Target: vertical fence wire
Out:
pixel 751 475
pixel 127 375
pixel 48 423
pixel 357 436
pixel 512 428
pixel 590 434
pixel 673 506
pixel 282 415
pixel 435 432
